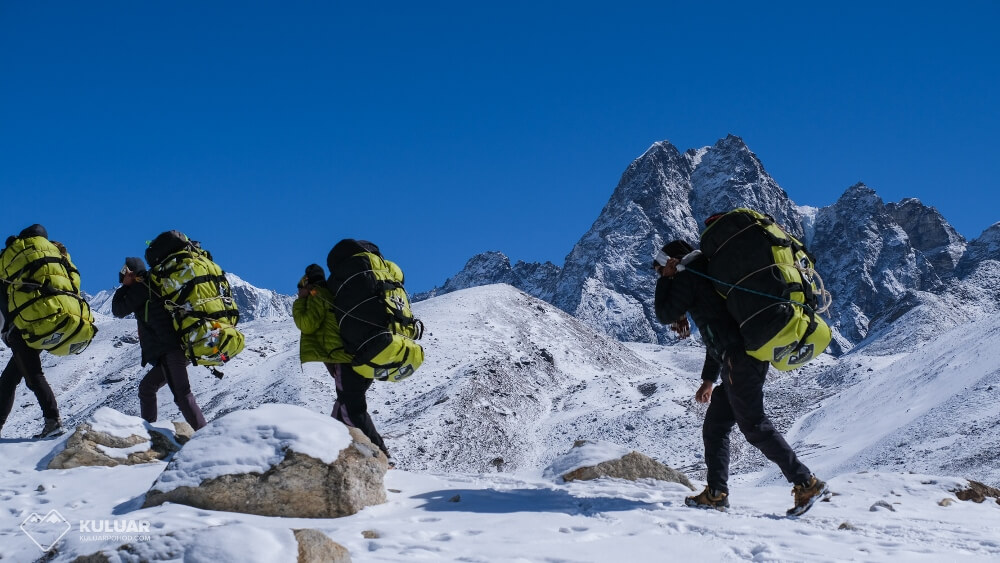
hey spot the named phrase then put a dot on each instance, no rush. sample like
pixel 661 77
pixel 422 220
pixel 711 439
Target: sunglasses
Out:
pixel 125 271
pixel 661 258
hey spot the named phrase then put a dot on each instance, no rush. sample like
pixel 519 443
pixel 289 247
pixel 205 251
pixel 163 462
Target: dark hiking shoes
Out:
pixel 806 494
pixel 709 498
pixel 53 427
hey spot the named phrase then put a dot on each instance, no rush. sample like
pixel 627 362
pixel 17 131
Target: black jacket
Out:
pixel 157 335
pixel 687 292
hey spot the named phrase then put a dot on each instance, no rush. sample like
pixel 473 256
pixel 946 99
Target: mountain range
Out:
pixel 878 259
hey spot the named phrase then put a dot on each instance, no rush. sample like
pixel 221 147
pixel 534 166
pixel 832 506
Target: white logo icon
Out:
pixel 46 530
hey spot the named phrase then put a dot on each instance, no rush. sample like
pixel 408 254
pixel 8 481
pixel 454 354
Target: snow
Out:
pixel 587 454
pixel 113 423
pixel 515 517
pixel 123 453
pixel 251 441
pixel 240 542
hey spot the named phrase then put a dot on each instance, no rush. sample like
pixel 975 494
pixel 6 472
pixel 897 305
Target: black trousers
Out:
pixel 351 406
pixel 26 364
pixel 170 370
pixel 739 400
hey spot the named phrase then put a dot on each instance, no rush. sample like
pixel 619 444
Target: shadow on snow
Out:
pixel 491 501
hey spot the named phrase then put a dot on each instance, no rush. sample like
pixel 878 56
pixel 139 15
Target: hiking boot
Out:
pixel 53 427
pixel 709 498
pixel 806 494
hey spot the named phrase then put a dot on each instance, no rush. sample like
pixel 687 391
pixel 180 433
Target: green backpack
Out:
pixel 195 292
pixel 376 324
pixel 43 297
pixel 770 285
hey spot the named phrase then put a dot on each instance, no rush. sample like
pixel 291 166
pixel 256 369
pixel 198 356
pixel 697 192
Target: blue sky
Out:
pixel 270 130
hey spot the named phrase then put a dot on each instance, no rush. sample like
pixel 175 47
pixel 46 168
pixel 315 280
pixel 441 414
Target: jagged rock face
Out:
pixel 986 248
pixel 869 253
pixel 607 280
pixel 728 175
pixel 533 278
pixel 929 233
pixel 255 303
pixel 866 260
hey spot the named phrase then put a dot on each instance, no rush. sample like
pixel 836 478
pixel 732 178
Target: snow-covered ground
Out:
pixel 509 384
pixel 521 516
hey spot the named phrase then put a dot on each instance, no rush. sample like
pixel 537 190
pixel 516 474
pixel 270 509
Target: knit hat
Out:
pixel 134 264
pixel 315 274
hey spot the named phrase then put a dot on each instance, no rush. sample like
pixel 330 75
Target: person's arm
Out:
pixel 308 313
pixel 709 373
pixel 129 298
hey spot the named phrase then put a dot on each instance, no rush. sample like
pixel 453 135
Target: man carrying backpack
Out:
pixel 739 400
pixel 25 362
pixel 160 344
pixel 321 342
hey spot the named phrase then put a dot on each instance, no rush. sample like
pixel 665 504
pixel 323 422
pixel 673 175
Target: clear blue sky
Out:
pixel 270 130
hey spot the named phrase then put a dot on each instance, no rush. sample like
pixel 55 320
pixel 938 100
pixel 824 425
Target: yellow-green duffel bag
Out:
pixel 196 293
pixel 770 285
pixel 43 296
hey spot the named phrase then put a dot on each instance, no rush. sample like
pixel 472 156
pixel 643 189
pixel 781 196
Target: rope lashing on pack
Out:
pixel 823 296
pixel 349 313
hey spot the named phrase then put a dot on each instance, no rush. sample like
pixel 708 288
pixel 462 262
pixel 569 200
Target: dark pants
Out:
pixel 740 401
pixel 26 364
pixel 351 407
pixel 170 370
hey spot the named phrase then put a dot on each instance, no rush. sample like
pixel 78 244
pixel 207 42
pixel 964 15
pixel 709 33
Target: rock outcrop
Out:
pixel 110 438
pixel 587 460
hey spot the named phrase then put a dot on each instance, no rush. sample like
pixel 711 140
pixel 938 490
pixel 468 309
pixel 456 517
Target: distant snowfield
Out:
pixel 509 383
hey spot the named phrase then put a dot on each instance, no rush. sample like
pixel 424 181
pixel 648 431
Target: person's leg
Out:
pixel 719 422
pixel 175 365
pixel 9 379
pixel 745 377
pixel 154 379
pixel 29 361
pixel 351 406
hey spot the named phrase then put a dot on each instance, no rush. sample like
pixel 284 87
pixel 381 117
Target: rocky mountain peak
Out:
pixel 929 233
pixel 486 268
pixel 729 175
pixel 985 248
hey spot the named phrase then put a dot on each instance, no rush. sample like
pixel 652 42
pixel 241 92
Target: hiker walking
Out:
pixel 160 344
pixel 25 362
pixel 739 399
pixel 321 342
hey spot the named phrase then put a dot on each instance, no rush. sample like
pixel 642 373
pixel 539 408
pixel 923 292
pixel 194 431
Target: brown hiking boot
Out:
pixel 806 494
pixel 53 427
pixel 709 498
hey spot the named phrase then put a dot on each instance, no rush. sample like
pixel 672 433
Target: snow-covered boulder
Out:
pixel 275 460
pixel 229 542
pixel 109 438
pixel 588 460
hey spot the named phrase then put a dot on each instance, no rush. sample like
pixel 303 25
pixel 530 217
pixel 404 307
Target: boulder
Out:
pixel 230 542
pixel 588 460
pixel 276 460
pixel 109 438
pixel 977 492
pixel 317 547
